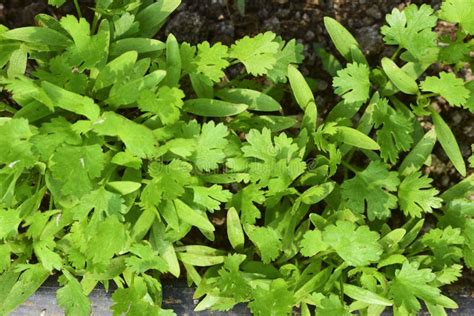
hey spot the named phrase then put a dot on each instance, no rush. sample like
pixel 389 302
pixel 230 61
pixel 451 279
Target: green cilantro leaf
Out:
pixel 258 53
pixel 100 246
pixel 71 297
pixel 87 50
pixel 394 133
pixel 194 217
pixel 454 51
pixel 145 259
pixel 23 91
pixel 168 182
pixel 449 274
pixel 78 244
pixel 52 135
pixel 312 243
pixel 187 53
pixel 56 3
pixel 459 11
pixel 212 197
pixel 411 284
pixel 210 146
pixel 445 244
pixel 412 29
pixel 167 103
pixel 36 224
pixel 134 300
pixel 291 53
pixel 233 282
pixel 370 190
pixel 127 92
pixel 138 139
pixel 15 148
pixel 210 60
pixel 448 86
pixel 274 300
pixel 116 70
pixel 267 241
pixel 78 29
pixel 276 163
pixel 62 73
pixel 358 246
pixel 102 201
pixel 75 168
pixel 10 220
pixel 260 145
pixel 44 250
pixel 332 305
pixel 352 83
pixel 244 201
pixel 417 196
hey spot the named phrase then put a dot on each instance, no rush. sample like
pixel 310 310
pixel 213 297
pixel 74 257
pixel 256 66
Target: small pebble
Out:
pixel 456 118
pixel 309 36
pixel 445 180
pixel 374 12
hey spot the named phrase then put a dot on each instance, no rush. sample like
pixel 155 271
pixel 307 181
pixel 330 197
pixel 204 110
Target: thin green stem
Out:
pixel 267 89
pixel 396 53
pixel 430 95
pixel 341 295
pixel 51 203
pixel 348 166
pixel 8 108
pixel 431 108
pixel 95 22
pixel 78 8
pixel 39 182
pixel 234 62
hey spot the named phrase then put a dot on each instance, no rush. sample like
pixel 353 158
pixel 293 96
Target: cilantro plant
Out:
pixel 126 159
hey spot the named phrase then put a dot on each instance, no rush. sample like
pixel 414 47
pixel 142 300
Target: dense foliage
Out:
pixel 125 159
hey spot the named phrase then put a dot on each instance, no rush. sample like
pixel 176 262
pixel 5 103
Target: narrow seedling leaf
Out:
pixel 38 35
pixel 341 37
pixel 255 100
pixel 192 217
pixel 213 108
pixel 420 154
pixel 235 232
pixel 140 45
pixel 116 70
pixel 353 137
pixel 57 97
pixel 366 296
pixel 173 61
pixel 301 90
pixel 317 193
pixel 399 78
pixel 448 142
pixel 124 187
pixel 153 16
